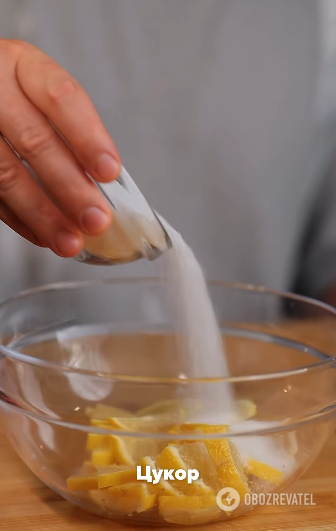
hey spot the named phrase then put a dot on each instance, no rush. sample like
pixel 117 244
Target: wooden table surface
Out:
pixel 26 504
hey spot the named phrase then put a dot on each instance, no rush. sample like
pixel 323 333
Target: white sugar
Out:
pixel 201 345
pixel 202 355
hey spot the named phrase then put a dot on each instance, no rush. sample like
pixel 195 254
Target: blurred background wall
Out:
pixel 223 112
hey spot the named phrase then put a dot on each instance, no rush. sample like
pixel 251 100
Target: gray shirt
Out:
pixel 223 113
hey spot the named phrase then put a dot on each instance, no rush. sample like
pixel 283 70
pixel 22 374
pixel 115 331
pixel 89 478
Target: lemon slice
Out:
pixel 112 479
pixel 177 409
pixel 102 457
pixel 226 460
pixel 124 499
pixel 196 456
pixel 141 424
pixel 163 406
pixel 199 456
pixel 97 442
pixel 196 488
pixel 198 427
pixel 128 450
pixel 92 478
pixel 122 450
pixel 88 469
pixel 264 472
pixel 170 458
pixel 246 409
pixel 100 497
pixel 163 487
pixel 82 483
pixel 103 412
pixel 194 428
pixel 189 510
pixel 130 498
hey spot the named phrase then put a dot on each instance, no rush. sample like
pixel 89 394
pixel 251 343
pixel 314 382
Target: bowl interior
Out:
pixel 116 343
pixel 78 358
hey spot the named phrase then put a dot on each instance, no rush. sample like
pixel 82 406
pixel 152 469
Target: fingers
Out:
pixel 30 212
pixel 31 135
pixel 59 97
pixel 16 224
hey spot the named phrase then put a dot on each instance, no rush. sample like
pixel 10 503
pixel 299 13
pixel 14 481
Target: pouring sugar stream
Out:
pixel 139 232
pixel 200 340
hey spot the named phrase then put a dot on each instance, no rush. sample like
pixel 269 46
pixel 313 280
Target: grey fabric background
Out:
pixel 223 112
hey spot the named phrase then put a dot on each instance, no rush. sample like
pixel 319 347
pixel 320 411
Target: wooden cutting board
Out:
pixel 26 504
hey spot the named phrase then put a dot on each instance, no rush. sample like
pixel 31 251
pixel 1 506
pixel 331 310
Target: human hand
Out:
pixel 37 97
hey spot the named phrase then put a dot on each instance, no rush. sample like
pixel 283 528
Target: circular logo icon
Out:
pixel 228 499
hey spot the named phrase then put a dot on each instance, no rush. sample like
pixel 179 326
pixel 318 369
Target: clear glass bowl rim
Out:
pixel 69 285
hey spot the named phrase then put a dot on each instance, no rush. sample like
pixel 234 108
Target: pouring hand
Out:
pixel 38 100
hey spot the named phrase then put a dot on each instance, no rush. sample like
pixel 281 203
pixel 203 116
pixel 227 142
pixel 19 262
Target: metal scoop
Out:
pixel 136 231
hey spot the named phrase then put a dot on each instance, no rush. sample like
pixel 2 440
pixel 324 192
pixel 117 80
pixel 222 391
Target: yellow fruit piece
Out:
pixel 103 412
pixel 226 460
pixel 163 487
pixel 142 424
pixel 102 457
pixel 163 406
pixel 102 424
pixel 144 462
pixel 130 498
pixel 176 410
pixel 196 456
pixel 228 469
pixel 170 458
pixel 100 497
pixel 194 428
pixel 197 427
pixel 196 488
pixel 128 450
pixel 82 483
pixel 113 479
pixel 264 472
pixel 246 409
pixel 189 510
pixel 121 453
pixel 97 442
pixel 107 469
pixel 149 424
pixel 88 469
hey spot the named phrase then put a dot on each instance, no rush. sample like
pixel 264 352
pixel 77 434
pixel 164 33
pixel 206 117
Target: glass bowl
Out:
pixel 98 404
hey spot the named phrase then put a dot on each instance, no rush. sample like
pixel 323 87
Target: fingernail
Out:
pixel 95 220
pixel 67 243
pixel 107 167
